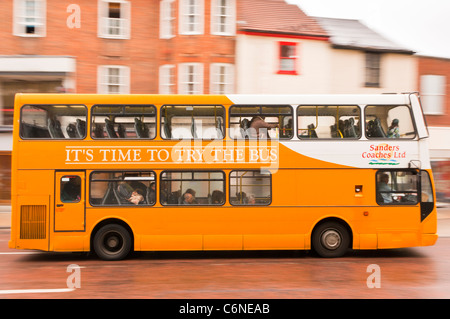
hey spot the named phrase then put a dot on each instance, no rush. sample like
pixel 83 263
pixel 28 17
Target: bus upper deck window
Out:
pixel 328 121
pixel 389 121
pixel 193 122
pixel 261 121
pixel 123 121
pixel 53 122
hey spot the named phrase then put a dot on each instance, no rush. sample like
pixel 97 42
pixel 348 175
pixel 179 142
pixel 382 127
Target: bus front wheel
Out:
pixel 112 242
pixel 330 239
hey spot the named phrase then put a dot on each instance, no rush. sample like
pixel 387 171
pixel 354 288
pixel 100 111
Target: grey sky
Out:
pixel 420 25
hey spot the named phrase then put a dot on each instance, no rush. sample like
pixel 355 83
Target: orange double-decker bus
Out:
pixel 119 173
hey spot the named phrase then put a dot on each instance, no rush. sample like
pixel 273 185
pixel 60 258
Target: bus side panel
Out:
pixel 31 212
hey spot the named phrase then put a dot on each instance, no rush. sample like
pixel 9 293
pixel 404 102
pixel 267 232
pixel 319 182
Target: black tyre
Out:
pixel 330 240
pixel 112 242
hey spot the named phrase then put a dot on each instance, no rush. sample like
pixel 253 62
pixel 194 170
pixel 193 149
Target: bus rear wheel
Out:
pixel 112 242
pixel 330 240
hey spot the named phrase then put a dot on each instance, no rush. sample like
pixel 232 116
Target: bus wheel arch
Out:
pixel 112 239
pixel 331 237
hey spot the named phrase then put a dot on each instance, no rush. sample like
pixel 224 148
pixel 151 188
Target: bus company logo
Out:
pixel 384 154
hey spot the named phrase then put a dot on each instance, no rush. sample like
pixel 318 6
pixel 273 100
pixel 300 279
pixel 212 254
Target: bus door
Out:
pixel 70 201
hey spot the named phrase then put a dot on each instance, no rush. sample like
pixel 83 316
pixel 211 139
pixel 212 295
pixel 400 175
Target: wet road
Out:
pixel 422 272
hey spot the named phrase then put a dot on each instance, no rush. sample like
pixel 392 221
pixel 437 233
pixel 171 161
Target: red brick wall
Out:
pixel 144 52
pixel 437 66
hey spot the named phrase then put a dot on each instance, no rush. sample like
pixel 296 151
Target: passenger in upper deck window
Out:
pixel 393 131
pixel 258 123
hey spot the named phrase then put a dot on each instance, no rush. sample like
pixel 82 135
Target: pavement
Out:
pixel 443 217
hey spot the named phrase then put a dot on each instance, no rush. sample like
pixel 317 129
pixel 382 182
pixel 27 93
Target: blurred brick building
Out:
pixel 112 46
pixel 434 85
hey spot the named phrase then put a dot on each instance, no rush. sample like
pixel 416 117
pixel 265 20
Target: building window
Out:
pixel 167 79
pixel 113 79
pixel 373 67
pixel 167 19
pixel 432 91
pixel 190 77
pixel 191 16
pixel 287 58
pixel 114 19
pixel 222 78
pixel 30 18
pixel 223 17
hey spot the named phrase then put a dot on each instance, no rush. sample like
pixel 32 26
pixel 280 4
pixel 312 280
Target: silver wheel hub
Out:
pixel 331 239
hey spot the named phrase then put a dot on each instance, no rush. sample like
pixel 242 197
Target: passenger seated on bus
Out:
pixel 393 131
pixel 251 199
pixel 137 197
pixel 257 123
pixel 151 194
pixel 312 131
pixel 71 192
pixel 241 198
pixel 130 194
pixel 287 130
pixel 383 189
pixel 189 197
pixel 217 197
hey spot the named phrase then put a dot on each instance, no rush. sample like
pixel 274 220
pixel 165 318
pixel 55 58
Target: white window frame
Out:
pixel 167 19
pixel 192 16
pixel 23 19
pixel 114 28
pixel 167 79
pixel 221 78
pixel 223 17
pixel 432 93
pixel 190 78
pixel 106 80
